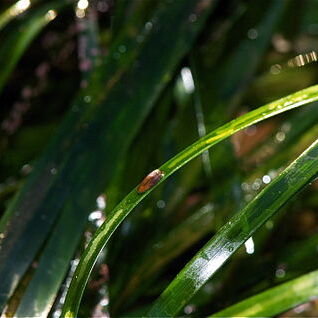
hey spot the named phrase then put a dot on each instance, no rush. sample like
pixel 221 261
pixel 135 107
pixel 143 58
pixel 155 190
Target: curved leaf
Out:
pixel 37 301
pixel 134 197
pixel 275 300
pixel 69 170
pixel 158 255
pixel 234 233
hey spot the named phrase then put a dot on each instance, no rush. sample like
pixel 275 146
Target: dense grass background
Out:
pixel 95 95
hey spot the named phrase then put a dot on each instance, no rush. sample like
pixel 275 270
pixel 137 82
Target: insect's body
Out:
pixel 151 180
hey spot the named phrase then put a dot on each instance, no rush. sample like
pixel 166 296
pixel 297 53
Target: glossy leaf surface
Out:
pixel 94 125
pixel 124 207
pixel 234 233
pixel 275 300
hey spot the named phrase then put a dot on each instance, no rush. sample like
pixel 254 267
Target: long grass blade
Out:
pixel 275 300
pixel 160 254
pixel 234 233
pixel 36 301
pixel 133 198
pixel 71 170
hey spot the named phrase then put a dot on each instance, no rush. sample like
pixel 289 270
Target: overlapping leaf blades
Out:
pixel 276 300
pixel 124 207
pixel 68 170
pixel 130 36
pixel 234 233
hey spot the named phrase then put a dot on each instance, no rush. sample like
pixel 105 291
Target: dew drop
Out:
pixel 275 69
pixel 252 34
pixel 245 186
pixel 149 26
pixel 104 302
pixel 249 246
pixel 87 99
pixel 26 169
pixel 257 184
pixel 161 204
pixel 22 5
pixel 189 309
pixel 95 215
pixel 280 136
pixel 286 127
pixel 266 179
pixel 280 273
pixel 230 248
pixel 101 201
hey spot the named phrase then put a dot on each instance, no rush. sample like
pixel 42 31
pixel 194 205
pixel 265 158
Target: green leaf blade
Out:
pixel 133 198
pixel 233 234
pixel 275 300
pixel 68 170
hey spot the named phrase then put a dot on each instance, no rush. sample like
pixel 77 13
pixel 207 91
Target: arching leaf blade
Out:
pixel 69 170
pixel 234 233
pixel 275 300
pixel 133 198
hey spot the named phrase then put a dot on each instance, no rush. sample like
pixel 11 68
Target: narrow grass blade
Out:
pixel 85 153
pixel 234 233
pixel 275 300
pixel 133 198
pixel 35 300
pixel 241 69
pixel 231 62
pixel 162 252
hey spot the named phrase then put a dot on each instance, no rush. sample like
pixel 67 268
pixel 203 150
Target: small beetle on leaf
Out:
pixel 151 179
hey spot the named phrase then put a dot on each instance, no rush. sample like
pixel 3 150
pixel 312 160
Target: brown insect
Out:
pixel 152 179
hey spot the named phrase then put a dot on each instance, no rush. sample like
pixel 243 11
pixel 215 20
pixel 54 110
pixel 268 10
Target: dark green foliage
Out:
pixel 95 95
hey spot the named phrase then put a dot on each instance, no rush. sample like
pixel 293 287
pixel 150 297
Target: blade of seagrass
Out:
pixel 299 257
pixel 275 300
pixel 134 197
pixel 82 158
pixel 160 253
pixel 208 88
pixel 256 272
pixel 29 305
pixel 156 131
pixel 268 21
pixel 231 63
pixel 235 232
pixel 298 125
